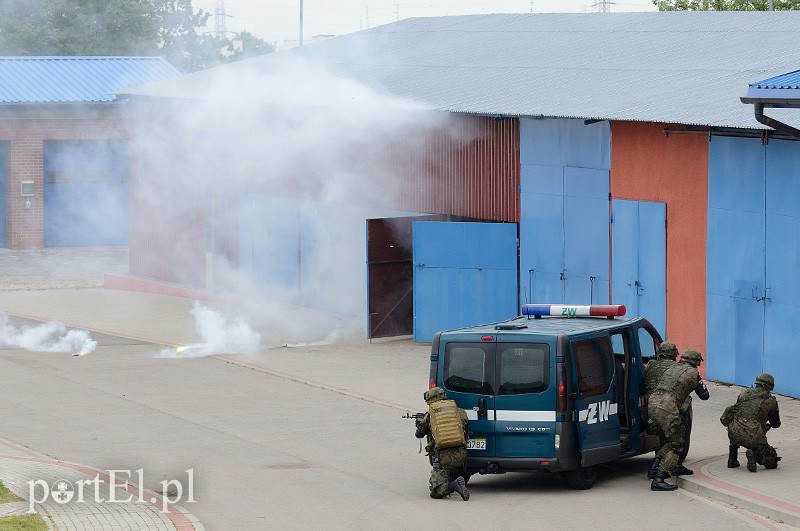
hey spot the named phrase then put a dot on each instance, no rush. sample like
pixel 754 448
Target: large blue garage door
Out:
pixel 464 274
pixel 753 261
pixel 86 192
pixel 639 259
pixel 564 211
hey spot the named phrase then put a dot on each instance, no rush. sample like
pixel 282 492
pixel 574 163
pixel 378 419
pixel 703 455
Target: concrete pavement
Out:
pixel 167 320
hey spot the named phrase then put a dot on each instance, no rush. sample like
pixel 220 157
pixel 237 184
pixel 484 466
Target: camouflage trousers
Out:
pixel 448 465
pixel 665 421
pixel 751 435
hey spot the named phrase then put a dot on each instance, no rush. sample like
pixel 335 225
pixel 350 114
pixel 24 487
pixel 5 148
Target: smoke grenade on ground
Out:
pixel 46 337
pixel 218 335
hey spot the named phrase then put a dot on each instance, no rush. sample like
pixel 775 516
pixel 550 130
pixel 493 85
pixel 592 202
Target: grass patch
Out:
pixel 6 495
pixel 31 522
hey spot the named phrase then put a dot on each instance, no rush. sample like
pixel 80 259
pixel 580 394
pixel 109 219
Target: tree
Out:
pixel 245 44
pixel 725 5
pixel 77 27
pixel 119 27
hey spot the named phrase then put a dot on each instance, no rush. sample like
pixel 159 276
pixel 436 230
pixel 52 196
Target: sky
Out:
pixel 279 20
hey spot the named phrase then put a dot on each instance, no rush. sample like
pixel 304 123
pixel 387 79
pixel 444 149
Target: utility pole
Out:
pixel 301 23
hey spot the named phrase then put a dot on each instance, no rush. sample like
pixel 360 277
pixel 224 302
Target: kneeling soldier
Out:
pixel 749 420
pixel 445 426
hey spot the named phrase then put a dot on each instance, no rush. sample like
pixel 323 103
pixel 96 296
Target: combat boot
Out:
pixel 653 468
pixel 460 486
pixel 660 484
pixel 681 470
pixel 733 457
pixel 752 465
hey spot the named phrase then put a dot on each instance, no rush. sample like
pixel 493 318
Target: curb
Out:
pixel 705 484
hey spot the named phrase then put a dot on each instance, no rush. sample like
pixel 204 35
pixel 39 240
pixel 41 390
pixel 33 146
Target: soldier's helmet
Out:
pixel 434 394
pixel 667 349
pixel 692 357
pixel 766 381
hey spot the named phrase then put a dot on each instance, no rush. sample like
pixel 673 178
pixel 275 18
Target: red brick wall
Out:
pixel 26 135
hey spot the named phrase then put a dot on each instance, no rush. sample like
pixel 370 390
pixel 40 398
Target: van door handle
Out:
pixel 482 409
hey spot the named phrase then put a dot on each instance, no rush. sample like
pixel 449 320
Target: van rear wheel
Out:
pixel 582 478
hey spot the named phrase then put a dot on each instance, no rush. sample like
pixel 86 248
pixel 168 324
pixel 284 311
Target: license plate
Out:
pixel 476 444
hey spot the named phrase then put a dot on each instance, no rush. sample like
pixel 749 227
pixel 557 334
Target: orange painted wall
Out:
pixel 646 165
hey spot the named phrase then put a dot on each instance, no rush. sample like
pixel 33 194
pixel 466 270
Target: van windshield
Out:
pixel 496 368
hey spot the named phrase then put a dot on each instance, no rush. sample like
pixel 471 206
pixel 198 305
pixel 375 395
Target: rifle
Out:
pixel 417 421
pixel 417 416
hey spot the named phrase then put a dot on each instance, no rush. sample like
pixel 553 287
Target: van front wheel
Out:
pixel 582 478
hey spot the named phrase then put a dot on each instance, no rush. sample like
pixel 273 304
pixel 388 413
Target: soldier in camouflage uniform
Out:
pixel 666 357
pixel 664 410
pixel 755 412
pixel 448 471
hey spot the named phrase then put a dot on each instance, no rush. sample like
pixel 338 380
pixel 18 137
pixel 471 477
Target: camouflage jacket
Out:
pixel 680 380
pixel 758 404
pixel 653 373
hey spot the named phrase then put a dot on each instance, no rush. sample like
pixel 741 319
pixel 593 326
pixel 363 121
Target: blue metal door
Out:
pixel 736 259
pixel 639 260
pixel 464 274
pixel 781 293
pixel 564 230
pixel 3 193
pixel 86 192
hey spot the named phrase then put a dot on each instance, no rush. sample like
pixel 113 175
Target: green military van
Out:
pixel 555 389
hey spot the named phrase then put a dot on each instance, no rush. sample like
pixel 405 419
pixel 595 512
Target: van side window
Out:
pixel 466 368
pixel 523 369
pixel 594 365
pixel 647 344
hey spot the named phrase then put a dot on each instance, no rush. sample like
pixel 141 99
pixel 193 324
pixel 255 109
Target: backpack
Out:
pixel 728 414
pixel 446 426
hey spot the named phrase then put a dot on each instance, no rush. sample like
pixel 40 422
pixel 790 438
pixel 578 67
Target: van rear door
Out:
pixel 467 375
pixel 525 402
pixel 593 391
pixel 505 388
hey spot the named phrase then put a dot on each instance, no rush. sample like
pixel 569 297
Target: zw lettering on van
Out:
pixel 597 412
pixel 568 310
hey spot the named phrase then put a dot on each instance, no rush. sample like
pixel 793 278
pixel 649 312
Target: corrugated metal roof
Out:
pixel 684 67
pixel 776 91
pixel 76 79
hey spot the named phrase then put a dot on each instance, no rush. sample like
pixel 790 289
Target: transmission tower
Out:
pixel 219 20
pixel 603 6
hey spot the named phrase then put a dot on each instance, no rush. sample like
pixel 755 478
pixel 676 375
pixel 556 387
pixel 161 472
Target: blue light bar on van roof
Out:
pixel 595 310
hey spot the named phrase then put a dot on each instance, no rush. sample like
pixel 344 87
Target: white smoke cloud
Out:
pixel 46 337
pixel 218 335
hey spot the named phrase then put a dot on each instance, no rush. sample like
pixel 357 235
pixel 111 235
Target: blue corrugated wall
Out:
pixel 3 193
pixel 307 252
pixel 753 261
pixel 564 211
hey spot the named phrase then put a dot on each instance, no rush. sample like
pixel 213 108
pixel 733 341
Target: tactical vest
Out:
pixel 679 381
pixel 446 426
pixel 753 405
pixel 653 373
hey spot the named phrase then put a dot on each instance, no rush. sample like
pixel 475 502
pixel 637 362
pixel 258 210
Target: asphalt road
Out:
pixel 272 445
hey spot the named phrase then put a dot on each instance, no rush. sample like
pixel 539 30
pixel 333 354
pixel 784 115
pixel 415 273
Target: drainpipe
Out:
pixel 758 107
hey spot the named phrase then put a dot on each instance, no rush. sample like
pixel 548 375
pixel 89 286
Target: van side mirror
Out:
pixel 482 409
